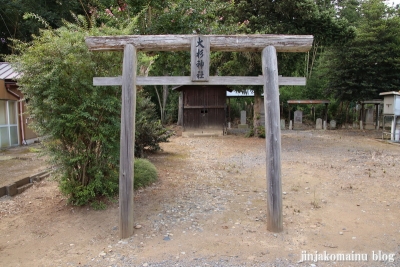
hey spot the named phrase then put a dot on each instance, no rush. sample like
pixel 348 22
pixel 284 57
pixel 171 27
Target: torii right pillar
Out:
pixel 272 139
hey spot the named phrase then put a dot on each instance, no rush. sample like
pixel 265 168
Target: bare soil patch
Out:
pixel 341 195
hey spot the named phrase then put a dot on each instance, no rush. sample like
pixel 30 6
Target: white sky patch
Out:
pixel 390 2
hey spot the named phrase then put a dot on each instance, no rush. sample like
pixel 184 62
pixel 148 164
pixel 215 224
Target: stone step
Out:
pixel 39 177
pixel 23 188
pixel 202 134
pixel 205 134
pixel 21 185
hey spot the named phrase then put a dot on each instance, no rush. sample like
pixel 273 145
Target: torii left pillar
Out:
pixel 127 142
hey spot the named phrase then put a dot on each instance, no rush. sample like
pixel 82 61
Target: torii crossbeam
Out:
pixel 269 45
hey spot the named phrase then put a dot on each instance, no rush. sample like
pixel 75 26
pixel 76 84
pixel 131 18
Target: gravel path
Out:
pixel 212 182
pixel 340 194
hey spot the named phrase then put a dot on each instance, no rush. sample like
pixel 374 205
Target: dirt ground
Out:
pixel 341 195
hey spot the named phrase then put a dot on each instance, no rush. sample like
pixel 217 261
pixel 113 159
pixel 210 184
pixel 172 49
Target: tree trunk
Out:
pixel 339 115
pixel 257 111
pixel 162 101
pixel 347 114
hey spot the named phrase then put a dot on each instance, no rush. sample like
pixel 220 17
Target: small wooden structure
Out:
pixel 326 102
pixel 203 106
pixel 200 46
pixel 377 103
pixel 391 109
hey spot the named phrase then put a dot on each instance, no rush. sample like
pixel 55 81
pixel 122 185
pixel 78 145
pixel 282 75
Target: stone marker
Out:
pixel 243 123
pixel 369 119
pixel 318 124
pixel 243 117
pixel 325 125
pixel 282 124
pixel 298 119
pixel 332 124
pixel 290 125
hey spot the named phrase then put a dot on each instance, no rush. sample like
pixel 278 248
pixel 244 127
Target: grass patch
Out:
pixel 34 150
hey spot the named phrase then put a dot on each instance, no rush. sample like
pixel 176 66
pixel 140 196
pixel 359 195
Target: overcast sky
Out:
pixel 393 1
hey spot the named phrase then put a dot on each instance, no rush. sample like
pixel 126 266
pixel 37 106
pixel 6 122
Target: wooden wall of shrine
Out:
pixel 204 107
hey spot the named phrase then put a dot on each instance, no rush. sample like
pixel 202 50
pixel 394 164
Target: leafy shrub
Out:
pixel 98 205
pixel 145 173
pixel 81 121
pixel 250 133
pixel 149 131
pixel 261 131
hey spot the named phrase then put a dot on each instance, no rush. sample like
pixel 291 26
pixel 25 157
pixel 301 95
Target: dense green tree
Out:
pixel 349 10
pixel 185 17
pixel 178 17
pixel 14 26
pixel 237 17
pixel 369 64
pixel 317 18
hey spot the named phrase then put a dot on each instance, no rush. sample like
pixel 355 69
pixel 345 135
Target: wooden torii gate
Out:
pixel 200 47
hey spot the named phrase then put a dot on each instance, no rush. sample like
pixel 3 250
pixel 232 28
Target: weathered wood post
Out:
pixel 272 139
pixel 127 142
pixel 180 109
